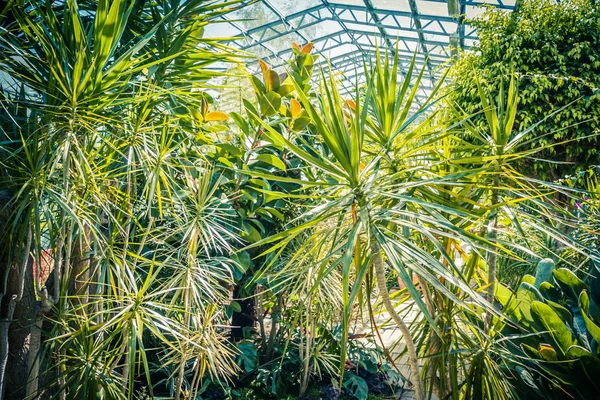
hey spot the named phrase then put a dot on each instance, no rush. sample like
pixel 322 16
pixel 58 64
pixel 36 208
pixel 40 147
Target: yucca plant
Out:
pixel 365 214
pixel 102 164
pixel 394 190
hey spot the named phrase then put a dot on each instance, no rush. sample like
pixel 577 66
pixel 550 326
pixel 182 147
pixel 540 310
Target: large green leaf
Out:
pixel 553 326
pixel 592 327
pixel 271 160
pixel 570 284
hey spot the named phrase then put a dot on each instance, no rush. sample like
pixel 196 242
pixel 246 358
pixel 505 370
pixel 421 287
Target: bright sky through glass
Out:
pixel 346 31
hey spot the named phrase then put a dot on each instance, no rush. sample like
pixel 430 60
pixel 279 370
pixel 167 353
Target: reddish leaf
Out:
pixel 307 48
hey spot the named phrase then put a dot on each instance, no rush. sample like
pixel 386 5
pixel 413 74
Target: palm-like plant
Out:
pixel 368 215
pixel 101 158
pixel 391 188
pixel 504 201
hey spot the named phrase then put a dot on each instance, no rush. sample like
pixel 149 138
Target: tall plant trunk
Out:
pixel 434 346
pixel 492 257
pixel 181 373
pixel 35 343
pixel 16 323
pixel 80 280
pixel 306 355
pixel 387 302
pixel 275 316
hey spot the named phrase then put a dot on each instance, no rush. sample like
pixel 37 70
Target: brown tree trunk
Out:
pixel 80 279
pixel 18 318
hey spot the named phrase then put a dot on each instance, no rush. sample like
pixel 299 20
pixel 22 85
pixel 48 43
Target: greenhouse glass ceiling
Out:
pixel 345 31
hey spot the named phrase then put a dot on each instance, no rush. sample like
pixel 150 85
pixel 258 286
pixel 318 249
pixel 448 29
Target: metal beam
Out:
pixel 473 3
pixel 380 27
pixel 401 27
pixel 337 36
pixel 417 22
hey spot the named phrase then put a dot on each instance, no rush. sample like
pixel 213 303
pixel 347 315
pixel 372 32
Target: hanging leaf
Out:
pixel 250 233
pixel 269 103
pixel 259 87
pixel 272 80
pixel 547 352
pixel 287 86
pixel 295 108
pixel 264 67
pixel 203 106
pixel 271 160
pixel 300 123
pixel 216 116
pixel 285 89
pixel 350 104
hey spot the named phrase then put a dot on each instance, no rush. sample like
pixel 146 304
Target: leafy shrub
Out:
pixel 554 47
pixel 563 313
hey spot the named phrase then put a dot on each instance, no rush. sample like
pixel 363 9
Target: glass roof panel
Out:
pixel 362 27
pixel 473 12
pixel 396 5
pixel 253 15
pixel 347 30
pixel 321 29
pixel 289 7
pixel 221 29
pixel 400 21
pixel 260 51
pixel 344 49
pixel 432 8
pixel 349 2
pixel 394 33
pixel 285 42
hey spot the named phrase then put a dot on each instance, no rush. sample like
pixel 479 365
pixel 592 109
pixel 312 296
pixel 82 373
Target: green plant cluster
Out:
pixel 156 246
pixel 553 47
pixel 365 378
pixel 559 316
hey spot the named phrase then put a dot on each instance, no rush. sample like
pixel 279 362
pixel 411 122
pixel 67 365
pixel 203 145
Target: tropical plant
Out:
pixel 562 312
pixel 153 245
pixel 551 46
pixel 386 197
pixel 369 215
pixel 106 185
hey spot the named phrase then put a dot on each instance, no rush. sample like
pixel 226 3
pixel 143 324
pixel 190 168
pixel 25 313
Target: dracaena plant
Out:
pixel 504 205
pixel 103 169
pixel 394 191
pixel 366 216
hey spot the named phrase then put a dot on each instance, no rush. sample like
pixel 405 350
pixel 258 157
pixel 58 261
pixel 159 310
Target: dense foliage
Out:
pixel 154 246
pixel 107 187
pixel 565 311
pixel 553 47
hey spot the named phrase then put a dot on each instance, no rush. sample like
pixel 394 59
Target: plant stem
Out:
pixel 186 297
pixel 387 302
pixel 492 257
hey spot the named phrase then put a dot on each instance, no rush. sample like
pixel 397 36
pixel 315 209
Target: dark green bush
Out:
pixel 554 49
